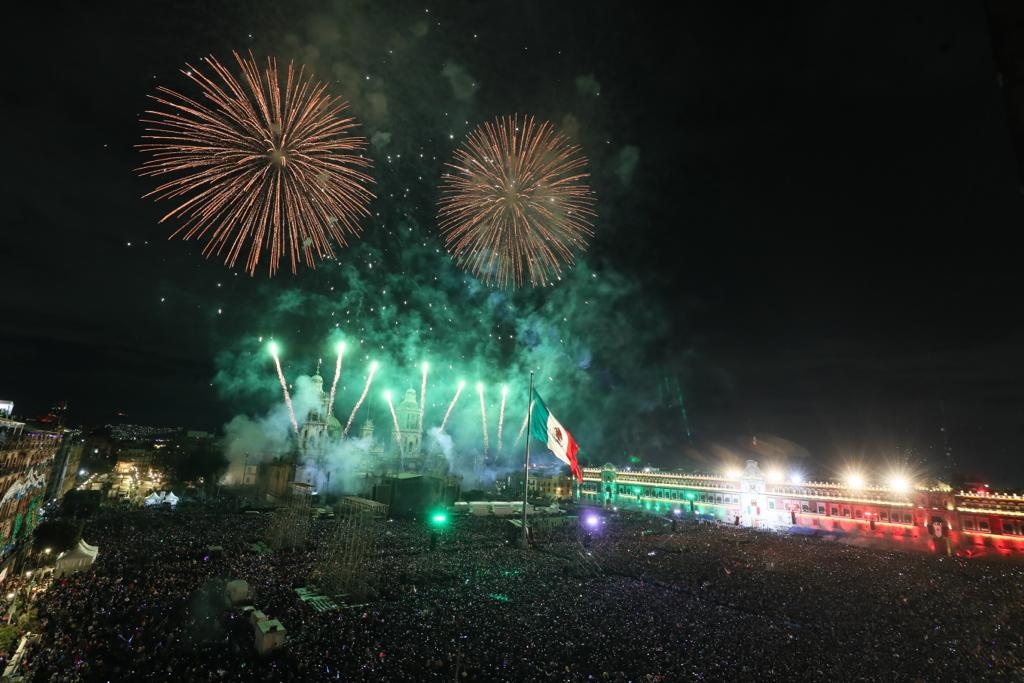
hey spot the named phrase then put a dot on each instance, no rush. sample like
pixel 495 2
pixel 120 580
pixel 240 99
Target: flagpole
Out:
pixel 526 458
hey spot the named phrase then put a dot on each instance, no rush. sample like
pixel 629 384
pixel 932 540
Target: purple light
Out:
pixel 593 520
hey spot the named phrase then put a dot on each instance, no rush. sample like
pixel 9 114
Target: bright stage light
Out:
pixel 899 483
pixel 341 347
pixel 374 365
pixel 776 475
pixel 438 518
pixel 272 347
pixel 387 395
pixel 855 480
pixel 592 521
pixel 733 473
pixel 796 478
pixel 425 366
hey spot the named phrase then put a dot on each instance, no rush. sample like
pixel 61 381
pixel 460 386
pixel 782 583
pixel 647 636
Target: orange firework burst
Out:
pixel 513 205
pixel 262 165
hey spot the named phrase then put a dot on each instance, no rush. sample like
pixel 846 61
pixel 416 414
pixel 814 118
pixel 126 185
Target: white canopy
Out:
pixel 160 497
pixel 75 560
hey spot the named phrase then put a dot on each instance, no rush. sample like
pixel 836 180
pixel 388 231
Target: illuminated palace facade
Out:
pixel 937 519
pixel 26 461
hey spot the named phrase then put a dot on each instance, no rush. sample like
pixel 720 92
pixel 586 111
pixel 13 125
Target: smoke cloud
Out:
pixel 597 342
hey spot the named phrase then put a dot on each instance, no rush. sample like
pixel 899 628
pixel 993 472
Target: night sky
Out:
pixel 806 220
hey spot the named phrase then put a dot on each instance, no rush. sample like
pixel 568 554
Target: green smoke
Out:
pixel 597 341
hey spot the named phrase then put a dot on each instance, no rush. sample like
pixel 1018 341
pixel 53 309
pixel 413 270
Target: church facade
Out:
pixel 321 450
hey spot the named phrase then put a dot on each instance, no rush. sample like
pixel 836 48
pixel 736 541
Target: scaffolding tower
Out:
pixel 290 526
pixel 343 566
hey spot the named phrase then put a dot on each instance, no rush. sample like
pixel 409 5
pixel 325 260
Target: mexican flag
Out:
pixel 544 427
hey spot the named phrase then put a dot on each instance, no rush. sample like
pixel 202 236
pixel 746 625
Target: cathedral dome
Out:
pixel 333 423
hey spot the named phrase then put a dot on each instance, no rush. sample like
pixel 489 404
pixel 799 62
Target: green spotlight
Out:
pixel 272 347
pixel 438 518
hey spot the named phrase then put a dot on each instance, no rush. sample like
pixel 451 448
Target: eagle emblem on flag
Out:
pixel 558 435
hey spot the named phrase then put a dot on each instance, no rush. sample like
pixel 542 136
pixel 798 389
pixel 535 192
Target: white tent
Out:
pixel 161 497
pixel 75 560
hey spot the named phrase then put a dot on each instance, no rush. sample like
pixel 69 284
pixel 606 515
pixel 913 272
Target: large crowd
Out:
pixel 636 599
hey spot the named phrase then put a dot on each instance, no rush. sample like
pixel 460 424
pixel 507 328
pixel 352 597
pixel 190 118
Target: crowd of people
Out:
pixel 636 598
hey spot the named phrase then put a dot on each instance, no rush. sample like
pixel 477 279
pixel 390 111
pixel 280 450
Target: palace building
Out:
pixel 901 514
pixel 26 460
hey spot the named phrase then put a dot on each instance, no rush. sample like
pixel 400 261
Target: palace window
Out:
pixel 718 498
pixel 846 512
pixel 1008 527
pixel 983 525
pixel 969 524
pixel 835 511
pixel 859 514
pixel 884 516
pixel 907 519
pixel 771 504
pixel 821 508
pixel 804 507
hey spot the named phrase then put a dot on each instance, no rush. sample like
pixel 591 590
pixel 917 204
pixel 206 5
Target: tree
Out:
pixel 9 634
pixel 194 460
pixel 58 535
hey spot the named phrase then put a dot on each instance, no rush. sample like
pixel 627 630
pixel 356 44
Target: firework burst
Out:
pixel 263 164
pixel 513 205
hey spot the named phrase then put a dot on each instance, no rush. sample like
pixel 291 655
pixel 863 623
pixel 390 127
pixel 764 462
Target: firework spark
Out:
pixel 522 428
pixel 337 376
pixel 362 397
pixel 483 414
pixel 501 414
pixel 423 394
pixel 451 405
pixel 398 430
pixel 266 161
pixel 284 387
pixel 513 204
